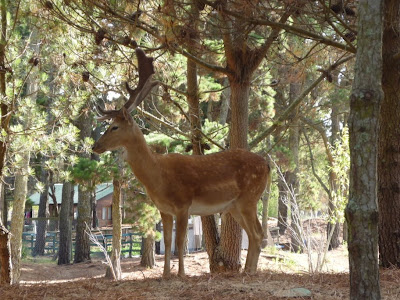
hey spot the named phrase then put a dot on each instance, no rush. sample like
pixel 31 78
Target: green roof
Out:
pixel 102 190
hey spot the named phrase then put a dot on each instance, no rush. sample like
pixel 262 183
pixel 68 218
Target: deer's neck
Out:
pixel 142 160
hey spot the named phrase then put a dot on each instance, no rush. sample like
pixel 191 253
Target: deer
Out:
pixel 181 185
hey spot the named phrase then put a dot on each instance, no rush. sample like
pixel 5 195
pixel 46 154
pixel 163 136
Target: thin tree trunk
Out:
pixel 43 214
pixel 293 178
pixel 362 211
pixel 5 110
pixel 5 256
pixel 65 247
pixel 22 175
pixel 117 232
pixel 389 141
pixel 225 102
pixel 283 204
pixel 210 230
pixel 82 242
pixel 211 239
pixel 18 214
pixel 95 221
pixel 267 239
pixel 334 225
pixel 148 258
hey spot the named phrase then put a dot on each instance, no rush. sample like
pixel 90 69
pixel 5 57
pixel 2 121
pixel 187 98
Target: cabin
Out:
pixel 103 194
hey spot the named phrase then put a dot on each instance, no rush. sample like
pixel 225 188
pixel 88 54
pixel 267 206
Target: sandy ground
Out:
pixel 274 278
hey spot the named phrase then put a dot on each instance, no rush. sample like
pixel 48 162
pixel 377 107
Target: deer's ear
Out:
pixel 126 115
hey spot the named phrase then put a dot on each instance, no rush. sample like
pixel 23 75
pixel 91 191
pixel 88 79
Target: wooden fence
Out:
pixel 130 242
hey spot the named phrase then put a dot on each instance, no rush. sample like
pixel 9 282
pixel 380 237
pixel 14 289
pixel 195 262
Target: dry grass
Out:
pixel 85 281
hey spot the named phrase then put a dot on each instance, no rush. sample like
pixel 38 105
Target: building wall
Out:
pixel 104 211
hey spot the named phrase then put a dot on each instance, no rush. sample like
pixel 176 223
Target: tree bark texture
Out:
pixel 362 211
pixel 18 214
pixel 225 102
pixel 43 213
pixel 82 242
pixel 5 110
pixel 267 239
pixel 292 174
pixel 5 256
pixel 211 239
pixel 278 135
pixel 335 241
pixel 65 225
pixel 282 204
pixel 389 141
pixel 210 229
pixel 117 232
pixel 229 248
pixel 22 175
pixel 148 252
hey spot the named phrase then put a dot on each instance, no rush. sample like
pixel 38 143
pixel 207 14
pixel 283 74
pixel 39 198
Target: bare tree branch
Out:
pixel 313 167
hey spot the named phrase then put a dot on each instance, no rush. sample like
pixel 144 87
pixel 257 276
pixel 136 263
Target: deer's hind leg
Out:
pixel 246 216
pixel 181 227
pixel 167 221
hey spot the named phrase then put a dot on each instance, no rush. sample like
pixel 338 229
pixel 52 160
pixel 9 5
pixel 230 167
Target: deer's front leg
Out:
pixel 181 226
pixel 167 228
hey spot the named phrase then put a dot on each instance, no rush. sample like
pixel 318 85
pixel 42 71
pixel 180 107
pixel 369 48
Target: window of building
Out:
pixel 104 213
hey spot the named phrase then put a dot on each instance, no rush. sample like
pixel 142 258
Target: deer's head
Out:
pixel 122 122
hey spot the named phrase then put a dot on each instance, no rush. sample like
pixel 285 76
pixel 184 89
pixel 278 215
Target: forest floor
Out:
pixel 278 273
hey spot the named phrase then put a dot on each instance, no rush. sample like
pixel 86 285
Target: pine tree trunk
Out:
pixel 280 101
pixel 5 250
pixel 225 102
pixel 362 211
pixel 211 239
pixel 292 176
pixel 95 220
pixel 18 214
pixel 389 141
pixel 5 256
pixel 22 175
pixel 335 241
pixel 65 247
pixel 148 258
pixel 267 239
pixel 117 232
pixel 229 248
pixel 210 230
pixel 82 242
pixel 43 214
pixel 5 110
pixel 283 203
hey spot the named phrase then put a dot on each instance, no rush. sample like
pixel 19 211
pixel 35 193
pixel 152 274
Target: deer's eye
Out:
pixel 114 128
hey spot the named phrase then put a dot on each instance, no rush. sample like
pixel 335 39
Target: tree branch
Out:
pixel 293 29
pixel 159 121
pixel 323 136
pixel 272 37
pixel 296 103
pixel 202 63
pixel 313 167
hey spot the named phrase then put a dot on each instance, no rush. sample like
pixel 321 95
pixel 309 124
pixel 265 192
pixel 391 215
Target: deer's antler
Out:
pixel 137 95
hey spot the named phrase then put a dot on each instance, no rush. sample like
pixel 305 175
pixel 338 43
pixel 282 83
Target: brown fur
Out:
pixel 179 185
